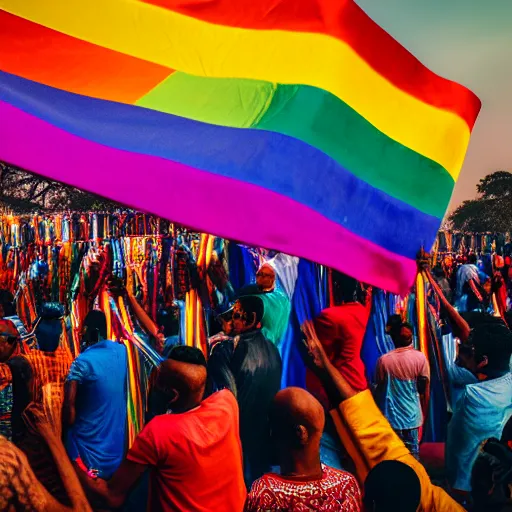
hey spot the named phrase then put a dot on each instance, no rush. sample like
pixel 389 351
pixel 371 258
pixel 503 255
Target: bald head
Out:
pixel 182 378
pixel 296 417
pixel 266 277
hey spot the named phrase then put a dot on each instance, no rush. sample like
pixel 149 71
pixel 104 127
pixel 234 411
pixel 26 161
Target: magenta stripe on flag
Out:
pixel 248 213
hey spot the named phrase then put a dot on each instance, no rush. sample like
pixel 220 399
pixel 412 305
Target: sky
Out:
pixel 470 42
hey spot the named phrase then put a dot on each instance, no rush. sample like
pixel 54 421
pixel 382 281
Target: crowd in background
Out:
pixel 221 434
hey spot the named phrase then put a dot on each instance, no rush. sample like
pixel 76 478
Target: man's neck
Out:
pixel 184 408
pixel 492 373
pixel 302 465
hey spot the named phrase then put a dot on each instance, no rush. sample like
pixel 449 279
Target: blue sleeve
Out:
pixel 482 276
pixel 79 370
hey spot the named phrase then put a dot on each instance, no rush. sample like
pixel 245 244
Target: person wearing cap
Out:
pixel 249 365
pixel 226 332
pixel 276 305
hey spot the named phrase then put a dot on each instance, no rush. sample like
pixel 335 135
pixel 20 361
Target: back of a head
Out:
pixel 296 418
pixel 438 272
pixel 169 320
pixel 252 304
pixel 182 377
pixel 344 287
pixel 49 328
pixel 477 318
pixel 403 335
pixel 96 321
pixel 393 324
pixel 494 342
pixel 392 486
pixel 472 259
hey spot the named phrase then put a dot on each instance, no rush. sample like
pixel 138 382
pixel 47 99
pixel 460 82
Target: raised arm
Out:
pixel 460 327
pixel 68 409
pixel 38 421
pixel 367 435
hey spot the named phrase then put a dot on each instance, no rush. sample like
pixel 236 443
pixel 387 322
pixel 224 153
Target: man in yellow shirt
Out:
pixel 371 442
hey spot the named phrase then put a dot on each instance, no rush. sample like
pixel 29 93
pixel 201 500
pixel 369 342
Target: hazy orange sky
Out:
pixel 469 41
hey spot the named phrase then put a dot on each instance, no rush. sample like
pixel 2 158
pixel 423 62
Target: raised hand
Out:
pixel 36 419
pixel 315 349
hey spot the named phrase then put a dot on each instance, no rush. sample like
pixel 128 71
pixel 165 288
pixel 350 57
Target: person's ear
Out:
pixel 302 434
pixel 253 321
pixel 173 395
pixel 483 363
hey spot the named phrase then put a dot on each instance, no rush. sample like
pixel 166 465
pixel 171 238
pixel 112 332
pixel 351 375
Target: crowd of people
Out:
pixel 221 434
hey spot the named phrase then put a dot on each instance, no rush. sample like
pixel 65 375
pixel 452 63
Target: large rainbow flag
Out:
pixel 296 125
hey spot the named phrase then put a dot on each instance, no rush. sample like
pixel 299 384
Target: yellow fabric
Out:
pixel 199 48
pixel 369 439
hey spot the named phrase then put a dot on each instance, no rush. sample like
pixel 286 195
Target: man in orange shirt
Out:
pixel 194 450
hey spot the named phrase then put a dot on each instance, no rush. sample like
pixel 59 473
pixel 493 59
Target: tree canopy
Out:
pixel 25 192
pixel 491 210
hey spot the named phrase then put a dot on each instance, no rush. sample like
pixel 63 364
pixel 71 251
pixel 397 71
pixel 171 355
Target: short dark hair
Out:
pixel 392 486
pixel 402 339
pixel 438 271
pixel 472 259
pixel 394 322
pixel 96 320
pixel 252 304
pixel 186 354
pixel 169 320
pixel 344 287
pixel 477 318
pixel 493 341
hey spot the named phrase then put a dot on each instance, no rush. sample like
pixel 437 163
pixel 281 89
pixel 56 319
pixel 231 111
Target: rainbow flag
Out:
pixel 296 125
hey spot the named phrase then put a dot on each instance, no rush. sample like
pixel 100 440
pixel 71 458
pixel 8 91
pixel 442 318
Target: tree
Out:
pixel 24 192
pixel 491 210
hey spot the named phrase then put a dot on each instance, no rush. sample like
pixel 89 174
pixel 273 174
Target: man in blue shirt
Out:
pixel 95 407
pixel 484 407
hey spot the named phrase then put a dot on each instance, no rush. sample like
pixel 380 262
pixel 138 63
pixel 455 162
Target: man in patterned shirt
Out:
pixel 297 421
pixel 20 490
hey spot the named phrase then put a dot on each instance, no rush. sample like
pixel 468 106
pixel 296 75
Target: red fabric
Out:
pixel 196 458
pixel 337 491
pixel 341 331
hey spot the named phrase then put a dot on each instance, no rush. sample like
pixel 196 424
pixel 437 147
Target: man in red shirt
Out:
pixel 193 451
pixel 297 422
pixel 341 330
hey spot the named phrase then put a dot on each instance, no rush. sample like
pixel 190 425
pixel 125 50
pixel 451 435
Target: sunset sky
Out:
pixel 469 41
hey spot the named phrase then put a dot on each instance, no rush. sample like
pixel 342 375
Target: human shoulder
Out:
pixel 328 319
pixel 418 355
pixel 340 476
pixel 385 359
pixel 331 312
pixel 222 398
